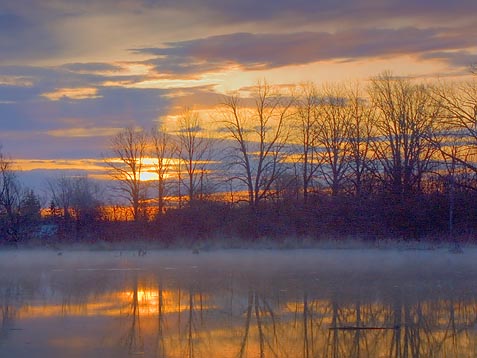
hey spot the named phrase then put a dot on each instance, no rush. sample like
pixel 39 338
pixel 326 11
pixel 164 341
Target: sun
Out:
pixel 148 176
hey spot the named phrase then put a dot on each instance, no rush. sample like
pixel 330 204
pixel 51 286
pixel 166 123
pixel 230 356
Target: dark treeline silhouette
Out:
pixel 394 160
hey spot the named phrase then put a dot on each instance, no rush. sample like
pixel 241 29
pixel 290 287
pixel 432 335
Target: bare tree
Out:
pixel 194 150
pixel 86 199
pixel 78 199
pixel 10 198
pixel 128 150
pixel 19 206
pixel 306 121
pixel 162 152
pixel 260 135
pixel 458 132
pixel 406 119
pixel 332 132
pixel 361 133
pixel 61 191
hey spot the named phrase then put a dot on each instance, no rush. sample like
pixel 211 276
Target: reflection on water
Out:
pixel 238 304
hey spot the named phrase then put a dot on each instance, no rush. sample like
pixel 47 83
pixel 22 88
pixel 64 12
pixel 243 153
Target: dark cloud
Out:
pixel 259 51
pixel 201 97
pixel 10 94
pixel 46 79
pixel 349 11
pixel 116 107
pixel 91 67
pixel 27 27
pixel 454 58
pixel 26 126
pixel 25 37
pixel 12 23
pixel 187 66
pixel 33 82
pixel 25 108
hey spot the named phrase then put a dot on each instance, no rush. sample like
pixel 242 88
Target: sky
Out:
pixel 73 73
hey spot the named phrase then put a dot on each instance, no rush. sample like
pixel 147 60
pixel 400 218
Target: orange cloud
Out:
pixel 72 93
pixel 84 132
pixel 70 164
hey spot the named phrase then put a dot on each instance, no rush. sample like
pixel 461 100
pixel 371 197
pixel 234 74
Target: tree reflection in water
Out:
pixel 133 339
pixel 226 312
pixel 160 346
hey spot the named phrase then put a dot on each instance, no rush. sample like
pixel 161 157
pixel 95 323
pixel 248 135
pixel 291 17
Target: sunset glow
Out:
pixel 145 67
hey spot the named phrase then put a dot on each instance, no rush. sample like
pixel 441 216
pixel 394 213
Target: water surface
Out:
pixel 318 303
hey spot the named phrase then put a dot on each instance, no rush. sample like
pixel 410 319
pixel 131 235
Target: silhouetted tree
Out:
pixel 162 153
pixel 305 131
pixel 19 206
pixel 29 210
pixel 458 136
pixel 10 198
pixel 128 149
pixel 62 191
pixel 406 119
pixel 194 150
pixel 260 135
pixel 79 199
pixel 361 134
pixel 332 132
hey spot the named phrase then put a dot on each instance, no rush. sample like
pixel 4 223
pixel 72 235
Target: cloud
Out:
pixel 454 58
pixel 67 59
pixel 40 145
pixel 39 99
pixel 72 93
pixel 92 67
pixel 59 31
pixel 24 37
pixel 264 51
pixel 65 164
pixel 84 132
pixel 15 81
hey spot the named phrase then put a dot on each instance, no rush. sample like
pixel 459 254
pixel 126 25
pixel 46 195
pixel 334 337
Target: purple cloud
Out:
pixel 260 51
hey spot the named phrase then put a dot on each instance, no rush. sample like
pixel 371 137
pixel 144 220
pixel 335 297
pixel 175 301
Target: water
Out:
pixel 319 303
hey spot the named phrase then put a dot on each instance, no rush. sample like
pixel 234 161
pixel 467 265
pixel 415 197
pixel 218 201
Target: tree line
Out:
pixel 391 158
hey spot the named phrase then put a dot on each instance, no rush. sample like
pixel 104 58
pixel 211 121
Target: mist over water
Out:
pixel 239 303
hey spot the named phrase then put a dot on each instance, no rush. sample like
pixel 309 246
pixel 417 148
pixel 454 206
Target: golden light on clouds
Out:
pixel 162 83
pixel 66 164
pixel 134 69
pixel 84 132
pixel 96 168
pixel 72 93
pixel 17 81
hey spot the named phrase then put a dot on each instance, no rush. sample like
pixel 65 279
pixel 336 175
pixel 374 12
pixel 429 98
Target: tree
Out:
pixel 361 133
pixel 162 152
pixel 260 136
pixel 332 131
pixel 30 217
pixel 61 191
pixel 128 150
pixel 458 132
pixel 86 201
pixel 78 199
pixel 306 122
pixel 10 198
pixel 19 207
pixel 194 151
pixel 406 119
